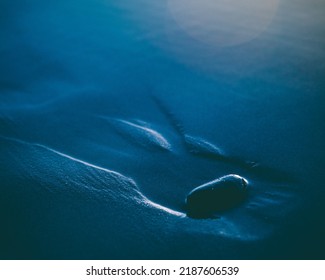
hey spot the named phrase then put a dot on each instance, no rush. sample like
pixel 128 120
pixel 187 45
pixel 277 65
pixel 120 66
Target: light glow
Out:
pixel 223 22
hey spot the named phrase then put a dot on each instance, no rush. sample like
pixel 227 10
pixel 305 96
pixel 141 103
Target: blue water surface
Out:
pixel 111 112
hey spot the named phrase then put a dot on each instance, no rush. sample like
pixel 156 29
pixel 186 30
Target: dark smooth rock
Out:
pixel 216 196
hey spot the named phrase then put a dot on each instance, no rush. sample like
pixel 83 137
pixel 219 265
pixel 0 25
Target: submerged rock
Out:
pixel 216 196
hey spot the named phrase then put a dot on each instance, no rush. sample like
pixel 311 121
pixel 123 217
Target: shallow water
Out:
pixel 111 113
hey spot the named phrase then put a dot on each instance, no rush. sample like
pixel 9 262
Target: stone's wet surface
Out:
pixel 216 196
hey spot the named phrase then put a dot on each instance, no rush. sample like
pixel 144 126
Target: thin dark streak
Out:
pixel 172 119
